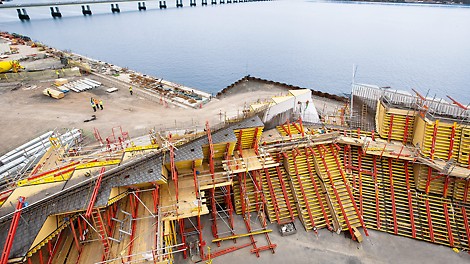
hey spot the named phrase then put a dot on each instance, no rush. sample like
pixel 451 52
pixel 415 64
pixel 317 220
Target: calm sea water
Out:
pixel 306 43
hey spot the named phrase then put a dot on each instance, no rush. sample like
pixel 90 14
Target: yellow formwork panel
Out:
pixel 220 150
pixel 47 179
pixel 248 137
pixel 398 124
pixel 464 151
pixel 98 164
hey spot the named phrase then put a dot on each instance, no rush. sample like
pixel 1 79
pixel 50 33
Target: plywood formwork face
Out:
pixel 247 137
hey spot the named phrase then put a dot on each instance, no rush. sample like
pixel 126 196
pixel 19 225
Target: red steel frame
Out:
pixel 410 201
pixel 284 191
pixel 428 212
pixel 95 193
pixel 392 194
pixel 295 153
pixel 174 172
pixel 390 127
pixel 317 193
pixel 377 203
pixel 361 208
pixel 288 128
pixel 338 199
pixel 449 227
pixel 135 209
pixel 433 142
pixel 405 133
pixel 254 145
pixel 349 190
pixel 12 231
pixel 273 195
pixel 451 144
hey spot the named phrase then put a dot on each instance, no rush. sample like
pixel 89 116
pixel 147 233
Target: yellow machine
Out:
pixel 6 66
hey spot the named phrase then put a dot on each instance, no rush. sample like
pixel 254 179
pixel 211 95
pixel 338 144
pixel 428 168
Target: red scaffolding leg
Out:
pixel 295 152
pixel 12 231
pixel 254 145
pixel 349 190
pixel 390 128
pixel 183 237
pixel 77 244
pixel 449 227
pixel 410 202
pixel 376 186
pixel 392 196
pixel 301 127
pixel 428 181
pixel 317 193
pixel 428 212
pixel 338 199
pixel 214 214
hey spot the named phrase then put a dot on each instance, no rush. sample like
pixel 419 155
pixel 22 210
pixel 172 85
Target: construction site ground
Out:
pixel 329 247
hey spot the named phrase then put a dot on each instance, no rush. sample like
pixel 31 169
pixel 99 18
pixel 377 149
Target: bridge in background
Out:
pixel 86 10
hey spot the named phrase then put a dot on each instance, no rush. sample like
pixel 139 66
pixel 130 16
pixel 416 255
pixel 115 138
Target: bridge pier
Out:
pixel 115 8
pixel 179 3
pixel 55 12
pixel 222 1
pixel 86 10
pixel 192 2
pixel 141 6
pixel 213 2
pixel 229 1
pixel 22 14
pixel 204 2
pixel 162 4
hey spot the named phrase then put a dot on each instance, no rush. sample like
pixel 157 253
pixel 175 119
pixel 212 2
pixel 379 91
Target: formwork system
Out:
pixel 410 177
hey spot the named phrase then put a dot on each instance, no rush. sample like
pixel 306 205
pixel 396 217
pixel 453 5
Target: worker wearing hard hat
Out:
pixel 130 90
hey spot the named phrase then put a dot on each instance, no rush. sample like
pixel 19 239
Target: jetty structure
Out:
pixel 385 160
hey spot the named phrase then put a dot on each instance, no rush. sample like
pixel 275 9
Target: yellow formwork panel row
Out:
pixel 58 177
pixel 396 120
pixel 249 136
pixel 220 150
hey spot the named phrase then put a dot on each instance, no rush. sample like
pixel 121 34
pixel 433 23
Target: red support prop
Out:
pixel 95 193
pixel 405 133
pixel 390 128
pixel 254 145
pixel 446 186
pixel 183 237
pixel 315 187
pixel 77 244
pixel 451 144
pixel 428 212
pixel 376 186
pixel 273 195
pixel 433 142
pixel 465 192
pixel 449 227
pixel 12 231
pixel 457 103
pixel 298 128
pixel 174 173
pixel 392 194
pixel 373 135
pixel 410 202
pixel 214 214
pixel 41 260
pixel 467 228
pixel 211 150
pixel 307 204
pixel 361 208
pixel 428 181
pixel 284 191
pixel 301 127
pixel 349 190
pixel 338 199
pixel 240 147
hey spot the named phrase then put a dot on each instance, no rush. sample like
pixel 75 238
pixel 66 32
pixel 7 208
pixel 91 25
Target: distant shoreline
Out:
pixel 424 2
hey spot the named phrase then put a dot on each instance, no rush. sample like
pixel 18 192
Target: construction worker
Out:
pixel 93 105
pixel 130 89
pixel 101 104
pixel 58 74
